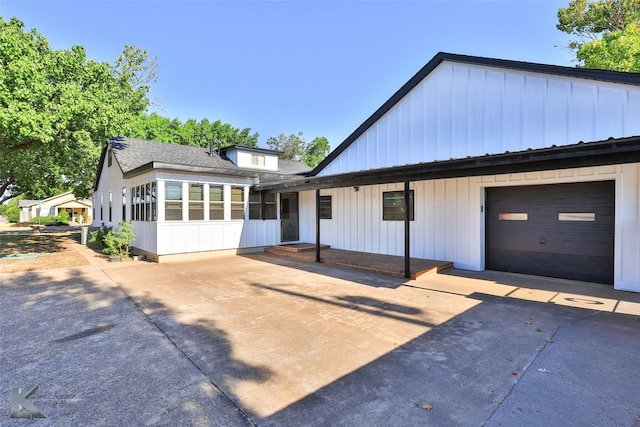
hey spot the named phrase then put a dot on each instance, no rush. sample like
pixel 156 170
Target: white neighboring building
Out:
pixel 192 201
pixel 52 206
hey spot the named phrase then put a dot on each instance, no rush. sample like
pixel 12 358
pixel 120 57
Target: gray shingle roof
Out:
pixel 134 155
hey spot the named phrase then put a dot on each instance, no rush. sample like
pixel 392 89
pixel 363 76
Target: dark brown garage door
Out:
pixel 560 230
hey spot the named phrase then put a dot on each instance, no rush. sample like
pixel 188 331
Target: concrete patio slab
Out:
pixel 262 340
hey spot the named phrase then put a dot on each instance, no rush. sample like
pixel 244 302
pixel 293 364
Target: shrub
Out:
pixel 48 220
pixel 115 242
pixel 64 216
pixel 97 236
pixel 13 213
pixel 119 242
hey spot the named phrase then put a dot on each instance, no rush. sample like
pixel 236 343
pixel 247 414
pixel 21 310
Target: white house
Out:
pixel 52 206
pixel 509 166
pixel 504 165
pixel 193 200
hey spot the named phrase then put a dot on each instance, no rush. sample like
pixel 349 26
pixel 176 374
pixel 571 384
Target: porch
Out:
pixel 385 264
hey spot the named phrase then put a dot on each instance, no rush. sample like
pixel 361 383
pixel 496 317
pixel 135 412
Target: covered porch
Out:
pixel 385 264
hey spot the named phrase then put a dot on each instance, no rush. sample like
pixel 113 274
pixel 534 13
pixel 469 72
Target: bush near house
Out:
pixel 64 216
pixel 116 243
pixel 50 220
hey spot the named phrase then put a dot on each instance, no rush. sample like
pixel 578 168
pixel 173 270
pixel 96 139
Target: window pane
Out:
pixel 215 193
pixel 237 194
pixel 154 211
pixel 237 202
pixel 270 211
pixel 173 211
pixel 393 205
pixel 237 211
pixel 254 210
pixel 216 212
pixel 254 196
pixel 325 207
pixel 196 211
pixel 173 191
pixel 196 192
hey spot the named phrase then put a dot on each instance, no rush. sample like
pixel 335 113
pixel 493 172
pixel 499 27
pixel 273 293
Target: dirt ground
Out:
pixel 26 251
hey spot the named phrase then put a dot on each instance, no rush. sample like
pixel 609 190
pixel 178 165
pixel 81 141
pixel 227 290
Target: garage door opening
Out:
pixel 557 230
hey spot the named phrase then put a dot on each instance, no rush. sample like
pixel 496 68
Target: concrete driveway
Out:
pixel 260 340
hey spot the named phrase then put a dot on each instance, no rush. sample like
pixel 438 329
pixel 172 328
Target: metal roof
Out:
pixel 582 73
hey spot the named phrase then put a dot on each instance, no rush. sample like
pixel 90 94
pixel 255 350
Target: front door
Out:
pixel 289 224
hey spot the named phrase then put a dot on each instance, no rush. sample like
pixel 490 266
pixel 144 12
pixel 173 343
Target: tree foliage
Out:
pixel 57 108
pixel 605 32
pixel 198 134
pixel 316 151
pixel 294 147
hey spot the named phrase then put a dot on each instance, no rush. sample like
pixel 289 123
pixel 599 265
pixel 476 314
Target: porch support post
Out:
pixel 407 240
pixel 318 225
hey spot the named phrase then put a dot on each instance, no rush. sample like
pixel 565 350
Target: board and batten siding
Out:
pixel 449 217
pixel 462 110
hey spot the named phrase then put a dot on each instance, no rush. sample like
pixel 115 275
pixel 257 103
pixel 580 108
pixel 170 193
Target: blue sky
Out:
pixel 317 67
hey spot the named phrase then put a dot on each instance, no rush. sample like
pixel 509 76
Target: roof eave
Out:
pixel 612 151
pixel 188 168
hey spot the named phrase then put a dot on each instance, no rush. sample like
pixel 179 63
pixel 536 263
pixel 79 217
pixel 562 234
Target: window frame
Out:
pixel 259 160
pixel 172 204
pixel 235 203
pixel 330 207
pixel 216 206
pixel 196 206
pixel 387 210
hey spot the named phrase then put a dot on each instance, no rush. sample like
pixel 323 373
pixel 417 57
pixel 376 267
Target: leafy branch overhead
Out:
pixel 57 108
pixel 606 33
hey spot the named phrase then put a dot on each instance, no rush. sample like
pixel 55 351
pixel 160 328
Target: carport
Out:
pixel 581 155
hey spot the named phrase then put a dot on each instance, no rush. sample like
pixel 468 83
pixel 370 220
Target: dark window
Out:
pixel 325 207
pixel 393 205
pixel 110 205
pixel 255 205
pixel 110 158
pixel 101 205
pixel 124 203
pixel 270 206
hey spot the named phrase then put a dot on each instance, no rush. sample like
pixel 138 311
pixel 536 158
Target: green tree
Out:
pixel 605 33
pixel 316 151
pixel 57 109
pixel 197 134
pixel 294 147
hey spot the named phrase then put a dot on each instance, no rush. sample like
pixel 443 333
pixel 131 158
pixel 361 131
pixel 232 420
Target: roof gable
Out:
pixel 407 117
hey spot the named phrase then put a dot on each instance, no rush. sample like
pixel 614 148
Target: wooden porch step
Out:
pixel 379 263
pixel 295 247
